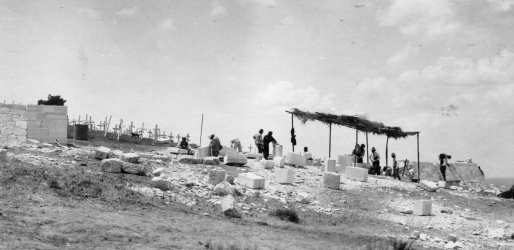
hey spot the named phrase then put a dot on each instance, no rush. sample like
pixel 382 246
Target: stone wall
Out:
pixel 39 122
pixel 46 123
pixel 13 124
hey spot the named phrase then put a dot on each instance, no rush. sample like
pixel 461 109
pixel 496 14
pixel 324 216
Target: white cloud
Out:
pixel 404 54
pixel 217 9
pixel 167 25
pixel 127 11
pixel 284 96
pixel 502 4
pixel 420 17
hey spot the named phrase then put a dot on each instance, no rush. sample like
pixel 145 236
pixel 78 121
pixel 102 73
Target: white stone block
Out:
pixel 358 174
pixel 294 159
pixel 278 149
pixel 111 165
pixel 284 175
pixel 423 207
pixel 115 154
pixel 228 151
pixel 130 157
pixel 102 153
pixel 330 165
pixel 160 183
pixel 345 160
pixel 309 163
pixel 279 161
pixel 235 159
pixel 203 152
pixel 216 176
pixel 211 160
pixel 332 180
pixel 340 169
pixel 250 180
pixel 363 165
pixel 267 164
pixel 303 198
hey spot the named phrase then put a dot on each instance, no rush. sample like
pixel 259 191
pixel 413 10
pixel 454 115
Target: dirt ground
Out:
pixel 48 200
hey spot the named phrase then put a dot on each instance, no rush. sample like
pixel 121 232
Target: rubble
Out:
pixel 224 188
pixel 102 153
pixel 228 206
pixel 111 165
pixel 135 169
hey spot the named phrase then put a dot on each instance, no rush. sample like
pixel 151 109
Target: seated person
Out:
pixel 184 145
pixel 308 156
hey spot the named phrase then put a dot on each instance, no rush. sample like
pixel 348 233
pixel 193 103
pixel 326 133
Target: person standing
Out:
pixel 359 152
pixel 482 172
pixel 258 140
pixel 236 144
pixel 443 163
pixel 375 159
pixel 396 169
pixel 215 145
pixel 267 139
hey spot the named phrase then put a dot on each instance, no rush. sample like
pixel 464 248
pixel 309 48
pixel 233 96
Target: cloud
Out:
pixel 284 96
pixel 167 25
pixel 504 5
pixel 403 54
pixel 420 17
pixel 127 12
pixel 217 9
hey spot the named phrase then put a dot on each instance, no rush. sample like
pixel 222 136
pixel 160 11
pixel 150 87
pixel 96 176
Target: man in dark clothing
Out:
pixel 443 163
pixel 480 170
pixel 375 159
pixel 267 139
pixel 359 152
pixel 184 145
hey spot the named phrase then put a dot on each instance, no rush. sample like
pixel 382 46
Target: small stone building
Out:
pixel 44 123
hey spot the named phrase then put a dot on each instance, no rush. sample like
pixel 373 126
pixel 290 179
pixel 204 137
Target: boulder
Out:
pixel 428 185
pixel 235 159
pixel 279 161
pixel 102 153
pixel 303 198
pixel 115 154
pixel 136 169
pixel 446 211
pixel 211 160
pixel 498 233
pixel 452 237
pixel 224 188
pixel 130 157
pixel 216 176
pixel 111 165
pixel 293 159
pixel 228 206
pixel 160 183
pixel 230 179
pixel 284 175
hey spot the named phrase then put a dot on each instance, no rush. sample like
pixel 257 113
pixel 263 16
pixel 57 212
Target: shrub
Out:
pixel 286 214
pixel 399 244
pixel 52 100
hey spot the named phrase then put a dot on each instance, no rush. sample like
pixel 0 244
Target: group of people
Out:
pixel 359 152
pixel 262 143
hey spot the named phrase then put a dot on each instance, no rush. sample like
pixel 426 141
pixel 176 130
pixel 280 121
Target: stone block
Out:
pixel 250 180
pixel 294 159
pixel 130 157
pixel 41 116
pixel 340 169
pixel 253 156
pixel 136 169
pixel 211 160
pixel 56 117
pixel 216 176
pixel 267 164
pixel 171 150
pixel 160 183
pixel 345 160
pixel 358 174
pixel 48 108
pixel 111 165
pixel 278 149
pixel 364 165
pixel 229 208
pixel 115 154
pixel 303 198
pixel 284 175
pixel 146 156
pixel 228 151
pixel 30 141
pixel 235 159
pixel 423 207
pixel 332 180
pixel 329 165
pixel 40 132
pixel 279 161
pixel 102 153
pixel 60 110
pixel 163 158
pixel 203 152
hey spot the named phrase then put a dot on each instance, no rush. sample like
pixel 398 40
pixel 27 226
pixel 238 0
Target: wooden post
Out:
pixel 329 139
pixel 250 148
pixel 292 127
pixel 130 129
pixel 156 133
pixel 419 177
pixel 86 119
pixel 387 145
pixel 91 123
pixel 171 139
pixel 201 130
pixel 356 143
pixel 367 149
pixel 178 138
pixel 108 125
pixel 120 129
pixel 79 120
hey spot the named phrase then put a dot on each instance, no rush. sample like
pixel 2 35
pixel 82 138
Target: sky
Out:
pixel 444 68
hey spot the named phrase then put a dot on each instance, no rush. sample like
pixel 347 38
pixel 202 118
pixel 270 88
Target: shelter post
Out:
pixel 356 143
pixel 329 140
pixel 201 130
pixel 387 156
pixel 367 149
pixel 419 177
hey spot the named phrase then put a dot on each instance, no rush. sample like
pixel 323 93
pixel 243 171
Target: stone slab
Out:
pixel 279 161
pixel 253 156
pixel 160 183
pixel 211 160
pixel 227 150
pixel 251 180
pixel 136 169
pixel 171 150
pixel 358 174
pixel 102 153
pixel 130 157
pixel 111 165
pixel 203 152
pixel 238 159
pixel 329 165
pixel 278 150
pixel 345 160
pixel 216 176
pixel 163 158
pixel 423 207
pixel 340 169
pixel 294 159
pixel 115 154
pixel 332 180
pixel 267 164
pixel 284 175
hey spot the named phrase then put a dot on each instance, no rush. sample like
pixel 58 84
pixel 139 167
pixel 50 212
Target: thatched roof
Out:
pixel 352 121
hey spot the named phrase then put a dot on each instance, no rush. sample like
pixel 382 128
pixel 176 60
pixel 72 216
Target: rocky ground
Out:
pixel 55 196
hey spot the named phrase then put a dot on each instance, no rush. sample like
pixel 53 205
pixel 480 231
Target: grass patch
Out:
pixel 287 214
pixel 399 244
